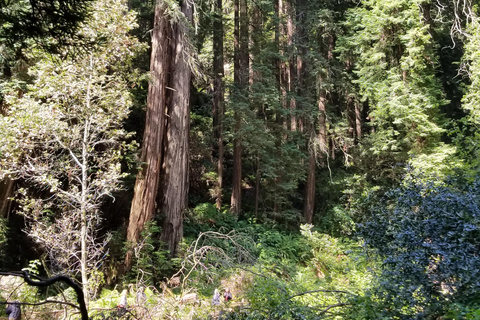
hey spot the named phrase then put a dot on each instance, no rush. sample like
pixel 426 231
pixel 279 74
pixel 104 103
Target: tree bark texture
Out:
pixel 175 180
pixel 358 122
pixel 218 97
pixel 322 150
pixel 147 182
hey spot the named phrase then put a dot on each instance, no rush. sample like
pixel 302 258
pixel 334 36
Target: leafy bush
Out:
pixel 205 217
pixel 428 235
pixel 275 246
pixel 458 311
pixel 151 261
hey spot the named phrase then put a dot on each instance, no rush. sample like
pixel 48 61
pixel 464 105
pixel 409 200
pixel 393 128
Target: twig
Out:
pixel 43 302
pixel 334 306
pixel 319 290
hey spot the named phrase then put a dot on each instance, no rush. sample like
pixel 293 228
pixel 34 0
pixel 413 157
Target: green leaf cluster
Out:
pixel 427 234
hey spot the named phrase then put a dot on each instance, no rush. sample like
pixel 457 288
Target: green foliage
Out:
pixel 458 311
pixel 395 70
pixel 3 236
pixel 279 292
pixel 65 136
pixel 51 25
pixel 427 234
pixel 204 217
pixel 441 161
pixel 152 262
pixel 280 250
pixel 33 267
pixel 467 138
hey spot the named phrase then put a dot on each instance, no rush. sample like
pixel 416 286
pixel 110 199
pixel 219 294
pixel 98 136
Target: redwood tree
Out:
pixel 164 158
pixel 146 185
pixel 241 73
pixel 218 97
pixel 175 167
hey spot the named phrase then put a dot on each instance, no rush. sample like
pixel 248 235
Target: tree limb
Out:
pixel 45 283
pixel 320 290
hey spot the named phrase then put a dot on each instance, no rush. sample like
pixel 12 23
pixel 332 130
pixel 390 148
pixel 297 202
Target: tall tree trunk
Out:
pixel 358 122
pixel 175 175
pixel 257 187
pixel 83 210
pixel 218 97
pixel 282 71
pixel 306 124
pixel 309 201
pixel 354 111
pixel 282 84
pixel 322 150
pixel 241 72
pixel 291 72
pixel 147 182
pixel 236 199
pixel 256 33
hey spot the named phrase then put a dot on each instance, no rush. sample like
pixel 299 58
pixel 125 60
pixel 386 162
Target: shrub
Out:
pixel 428 235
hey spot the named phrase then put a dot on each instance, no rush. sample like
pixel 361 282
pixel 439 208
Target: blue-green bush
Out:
pixel 427 233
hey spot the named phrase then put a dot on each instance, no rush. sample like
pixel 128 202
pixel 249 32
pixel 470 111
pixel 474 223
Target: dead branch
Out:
pixel 48 282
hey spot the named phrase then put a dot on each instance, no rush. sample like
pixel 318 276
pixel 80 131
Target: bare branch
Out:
pixel 45 283
pixel 319 290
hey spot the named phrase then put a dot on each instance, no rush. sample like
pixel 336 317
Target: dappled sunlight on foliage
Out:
pixel 426 233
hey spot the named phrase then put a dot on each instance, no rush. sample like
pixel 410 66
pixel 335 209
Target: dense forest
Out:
pixel 315 159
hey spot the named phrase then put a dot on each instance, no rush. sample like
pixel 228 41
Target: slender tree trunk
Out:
pixel 281 75
pixel 322 127
pixel 176 166
pixel 244 56
pixel 309 201
pixel 301 54
pixel 291 72
pixel 7 187
pixel 256 32
pixel 306 124
pixel 147 182
pixel 358 122
pixel 218 97
pixel 84 196
pixel 281 65
pixel 257 187
pixel 241 72
pixel 354 110
pixel 83 213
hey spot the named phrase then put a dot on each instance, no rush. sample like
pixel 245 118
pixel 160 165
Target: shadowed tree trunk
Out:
pixel 255 76
pixel 218 97
pixel 309 202
pixel 305 123
pixel 241 73
pixel 147 182
pixel 175 174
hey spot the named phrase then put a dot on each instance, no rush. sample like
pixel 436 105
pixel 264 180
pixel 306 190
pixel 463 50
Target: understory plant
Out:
pixel 427 233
